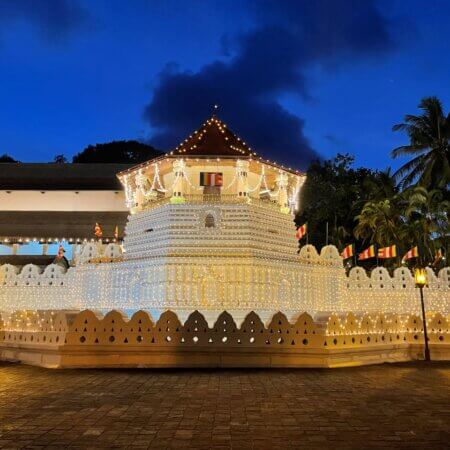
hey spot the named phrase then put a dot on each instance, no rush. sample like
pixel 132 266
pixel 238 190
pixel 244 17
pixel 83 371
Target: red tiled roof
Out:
pixel 214 138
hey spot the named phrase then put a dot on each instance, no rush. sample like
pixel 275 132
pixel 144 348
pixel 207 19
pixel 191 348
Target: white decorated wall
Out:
pixel 314 283
pixel 28 200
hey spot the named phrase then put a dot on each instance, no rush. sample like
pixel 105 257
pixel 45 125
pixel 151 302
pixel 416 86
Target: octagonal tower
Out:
pixel 211 223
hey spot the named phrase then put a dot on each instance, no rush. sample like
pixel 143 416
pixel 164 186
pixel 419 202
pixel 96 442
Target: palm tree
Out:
pixel 429 135
pixel 380 222
pixel 427 224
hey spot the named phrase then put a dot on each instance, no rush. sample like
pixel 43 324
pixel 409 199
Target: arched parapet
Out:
pixel 112 250
pixel 444 278
pixel 141 319
pixel 357 278
pixel 350 324
pixel 367 324
pixel 380 278
pixel 23 320
pixel 196 330
pixel 8 273
pixel 85 328
pixel 53 271
pixel 438 323
pixel 308 254
pixel 381 323
pixel 225 329
pixel 64 320
pixel 29 273
pixel 394 323
pixel 113 328
pixel 432 279
pixel 88 251
pixel 306 332
pixel 280 331
pixel 139 329
pixel 403 278
pixel 413 323
pixel 334 325
pixel 168 329
pixel 252 331
pixel 53 275
pixel 330 255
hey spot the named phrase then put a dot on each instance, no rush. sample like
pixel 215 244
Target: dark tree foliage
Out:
pixel 334 192
pixel 60 159
pixel 7 159
pixel 124 152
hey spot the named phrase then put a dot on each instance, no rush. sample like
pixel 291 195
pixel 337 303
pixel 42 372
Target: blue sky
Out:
pixel 295 79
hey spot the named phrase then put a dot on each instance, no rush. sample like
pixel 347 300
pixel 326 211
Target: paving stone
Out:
pixel 399 406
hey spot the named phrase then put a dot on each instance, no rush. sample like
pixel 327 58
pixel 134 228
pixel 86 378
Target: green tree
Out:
pixel 380 222
pixel 429 135
pixel 132 152
pixel 426 219
pixel 5 158
pixel 334 193
pixel 60 159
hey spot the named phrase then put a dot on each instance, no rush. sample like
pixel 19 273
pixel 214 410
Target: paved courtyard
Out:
pixel 388 406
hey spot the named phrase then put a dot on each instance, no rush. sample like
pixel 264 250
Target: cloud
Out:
pixel 54 19
pixel 290 37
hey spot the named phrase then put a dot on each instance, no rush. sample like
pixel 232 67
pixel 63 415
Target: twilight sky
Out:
pixel 295 79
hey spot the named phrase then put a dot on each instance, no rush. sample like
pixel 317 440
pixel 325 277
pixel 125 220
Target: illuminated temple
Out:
pixel 210 254
pixel 211 223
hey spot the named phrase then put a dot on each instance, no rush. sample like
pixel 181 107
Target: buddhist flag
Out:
pixel 387 252
pixel 301 231
pixel 98 230
pixel 437 255
pixel 211 179
pixel 116 232
pixel 367 253
pixel 413 253
pixel 348 251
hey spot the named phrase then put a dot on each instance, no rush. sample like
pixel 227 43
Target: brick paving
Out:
pixel 388 406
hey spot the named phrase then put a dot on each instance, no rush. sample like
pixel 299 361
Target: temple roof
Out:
pixel 214 139
pixel 60 177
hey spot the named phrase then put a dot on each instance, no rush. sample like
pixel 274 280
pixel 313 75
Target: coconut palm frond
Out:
pixel 429 135
pixel 407 150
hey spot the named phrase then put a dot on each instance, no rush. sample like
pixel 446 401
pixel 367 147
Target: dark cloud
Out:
pixel 54 19
pixel 291 36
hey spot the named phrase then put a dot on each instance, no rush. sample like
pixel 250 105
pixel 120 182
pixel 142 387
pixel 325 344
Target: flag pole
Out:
pixel 327 234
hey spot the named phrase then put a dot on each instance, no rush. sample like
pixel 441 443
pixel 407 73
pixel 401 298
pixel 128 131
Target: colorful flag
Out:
pixel 116 232
pixel 348 251
pixel 61 251
pixel 211 179
pixel 98 230
pixel 437 255
pixel 413 253
pixel 301 231
pixel 367 253
pixel 387 252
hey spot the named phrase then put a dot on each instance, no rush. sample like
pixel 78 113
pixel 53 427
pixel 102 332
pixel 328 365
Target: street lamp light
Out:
pixel 420 278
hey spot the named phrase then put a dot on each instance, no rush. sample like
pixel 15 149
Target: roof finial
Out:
pixel 215 108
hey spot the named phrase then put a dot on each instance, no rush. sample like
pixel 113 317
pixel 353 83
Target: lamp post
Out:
pixel 420 278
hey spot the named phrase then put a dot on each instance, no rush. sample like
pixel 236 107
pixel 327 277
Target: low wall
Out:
pixel 68 339
pixel 318 283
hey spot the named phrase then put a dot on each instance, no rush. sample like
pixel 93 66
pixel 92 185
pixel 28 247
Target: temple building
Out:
pixel 209 227
pixel 43 205
pixel 212 223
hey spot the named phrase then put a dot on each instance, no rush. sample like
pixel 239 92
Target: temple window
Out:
pixel 210 221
